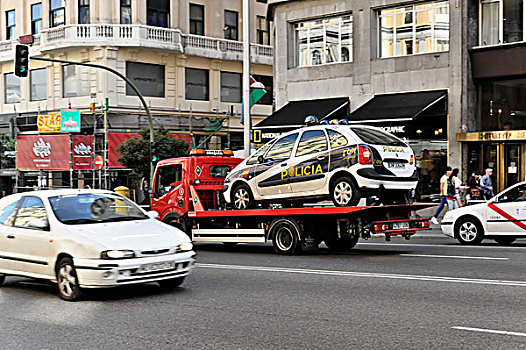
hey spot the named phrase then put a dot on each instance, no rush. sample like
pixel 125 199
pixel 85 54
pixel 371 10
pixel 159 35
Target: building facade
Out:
pixel 184 56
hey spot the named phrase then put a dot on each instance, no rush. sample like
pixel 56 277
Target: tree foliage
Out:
pixel 135 152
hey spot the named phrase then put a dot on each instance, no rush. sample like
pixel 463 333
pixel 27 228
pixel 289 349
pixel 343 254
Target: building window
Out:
pixel 263 31
pixel 502 105
pixel 148 78
pixel 231 25
pixel 10 32
pixel 126 14
pixel 267 82
pixel 75 81
pixel 36 18
pixel 501 21
pixel 11 88
pixel 83 11
pixel 324 41
pixel 196 84
pixel 197 19
pixel 230 87
pixel 57 13
pixel 38 84
pixel 158 13
pixel 414 29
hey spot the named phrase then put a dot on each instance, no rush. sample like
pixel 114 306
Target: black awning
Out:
pixel 402 106
pixel 294 113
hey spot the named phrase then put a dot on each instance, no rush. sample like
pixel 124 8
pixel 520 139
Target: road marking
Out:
pixel 482 330
pixel 471 247
pixel 453 256
pixel 365 274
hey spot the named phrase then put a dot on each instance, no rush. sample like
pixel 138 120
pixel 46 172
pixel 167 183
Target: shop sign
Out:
pixel 47 152
pixel 48 123
pixel 69 120
pixel 492 135
pixel 82 152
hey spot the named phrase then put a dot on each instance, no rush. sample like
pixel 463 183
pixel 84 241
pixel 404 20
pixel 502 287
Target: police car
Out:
pixel 340 162
pixel 502 218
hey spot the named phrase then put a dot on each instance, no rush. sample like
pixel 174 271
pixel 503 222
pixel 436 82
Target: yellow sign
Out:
pixel 492 135
pixel 48 123
pixel 305 170
pixel 256 138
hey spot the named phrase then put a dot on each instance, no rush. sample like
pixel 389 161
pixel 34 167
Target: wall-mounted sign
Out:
pixel 48 152
pixel 70 120
pixel 492 135
pixel 48 123
pixel 82 152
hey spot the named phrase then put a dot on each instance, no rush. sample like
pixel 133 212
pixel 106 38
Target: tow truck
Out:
pixel 187 193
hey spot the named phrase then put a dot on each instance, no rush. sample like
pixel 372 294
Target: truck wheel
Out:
pixel 285 235
pixel 242 198
pixel 344 192
pixel 341 244
pixel 469 231
pixel 2 279
pixel 506 240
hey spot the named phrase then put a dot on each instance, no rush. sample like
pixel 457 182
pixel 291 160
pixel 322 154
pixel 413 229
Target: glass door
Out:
pixel 512 164
pixel 491 160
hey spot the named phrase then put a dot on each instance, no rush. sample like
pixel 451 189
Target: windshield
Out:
pixel 377 137
pixel 90 208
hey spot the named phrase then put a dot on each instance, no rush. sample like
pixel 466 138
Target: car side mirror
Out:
pixel 152 214
pixel 261 160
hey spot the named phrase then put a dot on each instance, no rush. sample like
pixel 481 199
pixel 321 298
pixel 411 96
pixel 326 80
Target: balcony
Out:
pixel 88 35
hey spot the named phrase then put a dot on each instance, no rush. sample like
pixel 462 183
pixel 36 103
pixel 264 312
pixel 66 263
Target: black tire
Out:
pixel 469 231
pixel 229 245
pixel 344 192
pixel 285 235
pixel 392 197
pixel 171 283
pixel 2 279
pixel 341 244
pixel 504 240
pixel 181 225
pixel 242 198
pixel 67 281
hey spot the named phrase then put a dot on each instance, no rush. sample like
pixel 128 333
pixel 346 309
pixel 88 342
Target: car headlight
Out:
pixel 185 247
pixel 117 254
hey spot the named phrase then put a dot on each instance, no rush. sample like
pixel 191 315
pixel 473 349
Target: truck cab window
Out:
pixel 167 178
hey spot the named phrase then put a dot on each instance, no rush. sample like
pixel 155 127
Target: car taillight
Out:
pixel 412 159
pixel 365 155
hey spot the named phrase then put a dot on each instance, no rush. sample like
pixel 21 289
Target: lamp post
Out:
pixel 246 78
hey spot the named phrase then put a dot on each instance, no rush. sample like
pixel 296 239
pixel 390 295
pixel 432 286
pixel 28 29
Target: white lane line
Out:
pixel 482 330
pixel 365 274
pixel 453 256
pixel 471 247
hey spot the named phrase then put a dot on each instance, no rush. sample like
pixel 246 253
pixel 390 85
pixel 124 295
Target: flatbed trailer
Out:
pixel 292 230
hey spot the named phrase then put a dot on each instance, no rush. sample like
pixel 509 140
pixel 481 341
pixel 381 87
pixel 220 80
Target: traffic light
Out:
pixel 153 151
pixel 21 60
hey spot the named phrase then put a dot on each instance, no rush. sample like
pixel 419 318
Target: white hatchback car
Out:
pixel 89 239
pixel 340 162
pixel 502 218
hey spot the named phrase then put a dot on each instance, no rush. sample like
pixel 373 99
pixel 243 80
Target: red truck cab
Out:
pixel 205 170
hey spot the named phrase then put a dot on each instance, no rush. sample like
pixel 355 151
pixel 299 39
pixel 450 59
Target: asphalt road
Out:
pixel 425 293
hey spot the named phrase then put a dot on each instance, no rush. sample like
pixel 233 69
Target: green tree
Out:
pixel 135 152
pixel 7 144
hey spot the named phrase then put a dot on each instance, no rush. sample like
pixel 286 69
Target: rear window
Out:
pixel 377 137
pixel 219 171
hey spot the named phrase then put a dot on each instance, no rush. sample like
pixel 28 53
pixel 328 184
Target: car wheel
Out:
pixel 68 283
pixel 242 198
pixel 285 236
pixel 344 192
pixel 469 231
pixel 505 240
pixel 341 244
pixel 171 283
pixel 2 279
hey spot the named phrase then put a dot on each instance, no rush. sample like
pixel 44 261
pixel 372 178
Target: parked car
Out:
pixel 502 218
pixel 89 239
pixel 340 162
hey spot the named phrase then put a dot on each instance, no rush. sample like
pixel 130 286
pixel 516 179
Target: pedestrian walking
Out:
pixel 486 184
pixel 474 187
pixel 452 193
pixel 443 194
pixel 459 186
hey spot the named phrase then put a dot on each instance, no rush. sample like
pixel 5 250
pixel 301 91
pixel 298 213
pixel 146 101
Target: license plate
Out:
pixel 399 225
pixel 165 265
pixel 396 165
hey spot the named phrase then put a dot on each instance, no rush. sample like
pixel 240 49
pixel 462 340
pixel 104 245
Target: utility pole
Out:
pixel 246 78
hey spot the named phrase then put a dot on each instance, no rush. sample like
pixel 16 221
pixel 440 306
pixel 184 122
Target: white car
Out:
pixel 502 218
pixel 88 239
pixel 340 162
